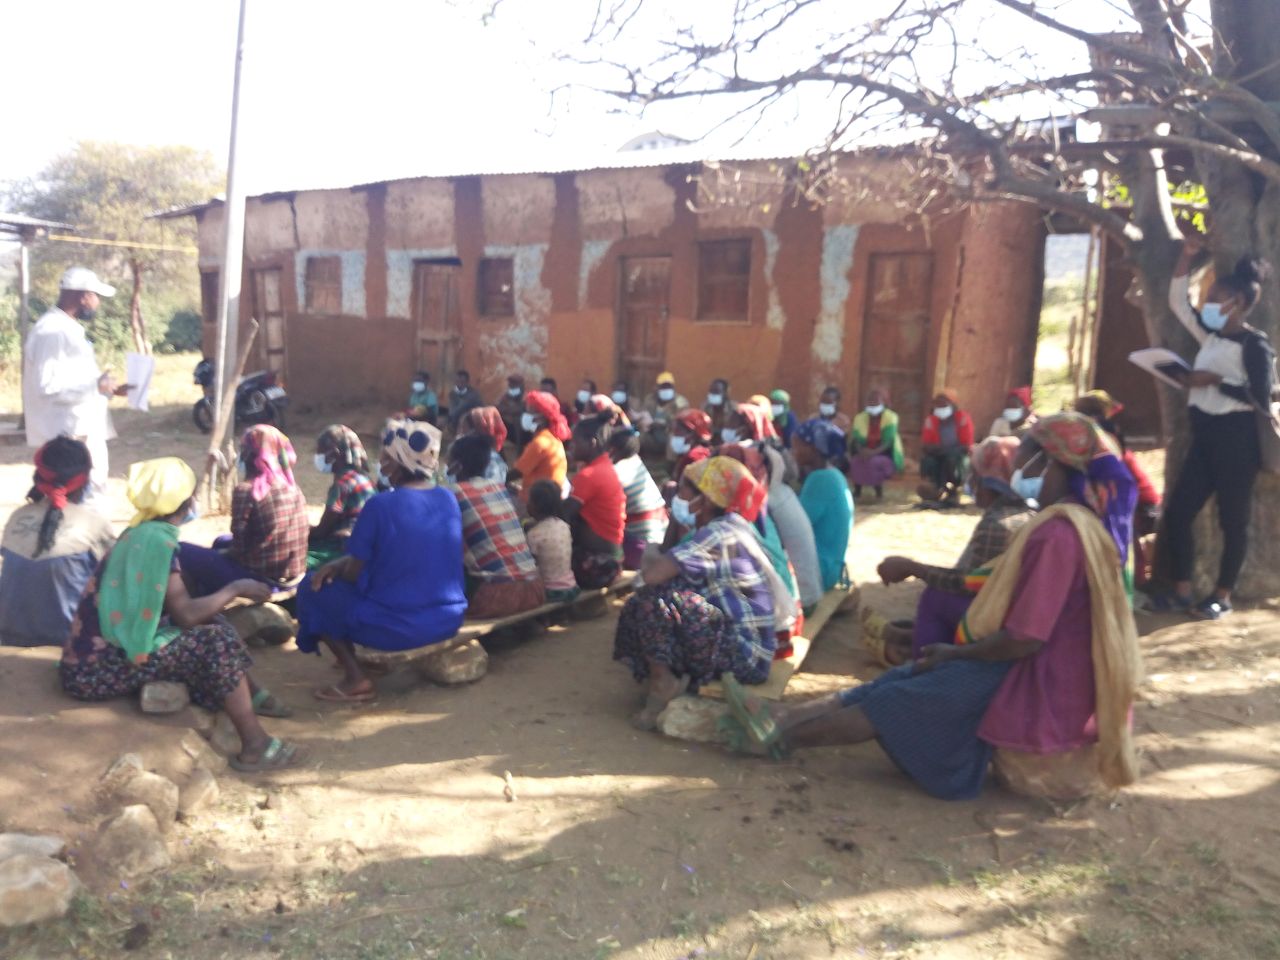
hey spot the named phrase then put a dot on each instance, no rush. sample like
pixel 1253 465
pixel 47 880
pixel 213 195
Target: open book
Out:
pixel 1163 365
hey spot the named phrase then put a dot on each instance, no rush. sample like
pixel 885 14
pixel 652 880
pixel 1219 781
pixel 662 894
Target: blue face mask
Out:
pixel 191 515
pixel 1028 488
pixel 681 513
pixel 1213 316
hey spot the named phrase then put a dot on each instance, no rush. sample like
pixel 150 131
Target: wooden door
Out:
pixel 268 310
pixel 435 310
pixel 644 302
pixel 895 334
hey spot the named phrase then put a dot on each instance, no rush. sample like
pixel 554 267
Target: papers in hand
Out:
pixel 1162 364
pixel 137 374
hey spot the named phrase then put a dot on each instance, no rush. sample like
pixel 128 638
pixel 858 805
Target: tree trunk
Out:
pixel 141 344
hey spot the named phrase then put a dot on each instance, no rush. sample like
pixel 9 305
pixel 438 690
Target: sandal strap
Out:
pixel 261 697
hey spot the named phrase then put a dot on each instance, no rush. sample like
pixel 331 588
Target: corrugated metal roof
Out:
pixel 15 222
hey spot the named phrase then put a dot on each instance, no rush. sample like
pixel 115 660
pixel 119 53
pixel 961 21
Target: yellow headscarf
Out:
pixel 158 487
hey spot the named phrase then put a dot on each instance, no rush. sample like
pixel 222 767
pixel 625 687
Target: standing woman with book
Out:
pixel 1231 380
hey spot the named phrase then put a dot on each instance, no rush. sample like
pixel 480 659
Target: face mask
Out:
pixel 418 386
pixel 514 391
pixel 1028 488
pixel 875 409
pixel 715 399
pixel 681 513
pixel 779 411
pixel 192 514
pixel 85 314
pixel 827 409
pixel 1012 414
pixel 666 394
pixel 943 413
pixel 583 396
pixel 619 397
pixel 679 446
pixel 1213 316
pixel 729 435
pixel 528 424
pixel 459 388
pixel 322 464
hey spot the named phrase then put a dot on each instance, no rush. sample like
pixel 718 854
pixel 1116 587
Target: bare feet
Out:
pixel 664 687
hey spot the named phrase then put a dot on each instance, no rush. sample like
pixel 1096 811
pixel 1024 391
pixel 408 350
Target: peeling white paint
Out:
pixel 353 262
pixel 593 252
pixel 400 275
pixel 775 316
pixel 520 345
pixel 838 243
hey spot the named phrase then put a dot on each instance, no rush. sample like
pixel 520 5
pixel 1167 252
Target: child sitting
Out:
pixel 551 541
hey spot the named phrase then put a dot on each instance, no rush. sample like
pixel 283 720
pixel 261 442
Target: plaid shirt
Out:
pixel 715 564
pixel 496 548
pixel 270 535
pixel 990 537
pixel 348 494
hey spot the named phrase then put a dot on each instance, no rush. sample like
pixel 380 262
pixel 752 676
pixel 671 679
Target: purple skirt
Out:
pixel 871 471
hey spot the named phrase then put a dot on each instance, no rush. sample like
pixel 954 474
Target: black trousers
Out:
pixel 1224 459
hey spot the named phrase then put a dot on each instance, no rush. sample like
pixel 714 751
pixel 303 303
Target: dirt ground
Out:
pixel 395 840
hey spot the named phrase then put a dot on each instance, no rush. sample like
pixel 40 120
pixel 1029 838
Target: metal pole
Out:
pixel 24 315
pixel 233 248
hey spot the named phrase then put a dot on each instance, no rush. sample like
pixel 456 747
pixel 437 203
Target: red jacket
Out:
pixel 931 435
pixel 1148 495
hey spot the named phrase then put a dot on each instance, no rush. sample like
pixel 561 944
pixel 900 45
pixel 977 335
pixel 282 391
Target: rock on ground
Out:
pixel 163 696
pixel 262 624
pixel 159 794
pixel 34 888
pixel 14 844
pixel 199 792
pixel 130 843
pixel 463 663
pixel 125 768
pixel 693 718
pixel 223 737
pixel 202 755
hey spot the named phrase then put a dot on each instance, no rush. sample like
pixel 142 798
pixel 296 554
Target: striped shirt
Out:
pixel 646 510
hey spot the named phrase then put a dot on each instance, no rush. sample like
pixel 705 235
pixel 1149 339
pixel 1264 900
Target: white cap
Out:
pixel 82 278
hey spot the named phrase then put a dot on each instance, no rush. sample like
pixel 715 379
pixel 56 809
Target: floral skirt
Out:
pixel 675 625
pixel 494 599
pixel 209 659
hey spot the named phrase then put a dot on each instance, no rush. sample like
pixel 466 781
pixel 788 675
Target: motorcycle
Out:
pixel 260 398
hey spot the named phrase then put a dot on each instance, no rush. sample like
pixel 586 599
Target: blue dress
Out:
pixel 826 499
pixel 410 592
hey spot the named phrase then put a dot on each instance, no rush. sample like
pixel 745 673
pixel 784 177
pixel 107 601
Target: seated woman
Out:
pixel 876 445
pixel 487 422
pixel 945 441
pixel 829 409
pixel 646 510
pixel 690 439
pixel 603 405
pixel 825 495
pixel 784 420
pixel 596 508
pixel 269 523
pixel 1049 660
pixel 340 453
pixel 51 546
pixel 543 456
pixel 1017 417
pixel 502 576
pixel 551 542
pixel 946 597
pixel 137 623
pixel 706 610
pixel 400 585
pixel 748 423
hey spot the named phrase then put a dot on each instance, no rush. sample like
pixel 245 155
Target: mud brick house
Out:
pixel 619 272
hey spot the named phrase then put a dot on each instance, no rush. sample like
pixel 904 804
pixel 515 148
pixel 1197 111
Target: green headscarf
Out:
pixel 782 397
pixel 134 583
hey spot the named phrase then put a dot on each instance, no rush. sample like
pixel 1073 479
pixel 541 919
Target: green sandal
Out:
pixel 277 756
pixel 757 725
pixel 264 709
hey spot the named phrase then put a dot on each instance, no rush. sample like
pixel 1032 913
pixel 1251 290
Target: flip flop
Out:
pixel 334 695
pixel 263 709
pixel 759 724
pixel 277 756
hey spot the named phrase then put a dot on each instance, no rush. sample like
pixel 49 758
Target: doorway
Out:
pixel 895 334
pixel 268 310
pixel 435 309
pixel 644 305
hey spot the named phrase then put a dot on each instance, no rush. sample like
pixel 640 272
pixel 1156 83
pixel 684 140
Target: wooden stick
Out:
pixel 228 414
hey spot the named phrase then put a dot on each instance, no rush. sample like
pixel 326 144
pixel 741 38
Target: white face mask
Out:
pixel 666 394
pixel 528 423
pixel 679 446
pixel 715 399
pixel 418 386
pixel 779 411
pixel 460 388
pixel 322 464
pixel 875 409
pixel 514 391
pixel 1028 488
pixel 619 396
pixel 729 435
pixel 827 409
pixel 584 396
pixel 943 413
pixel 681 513
pixel 1012 414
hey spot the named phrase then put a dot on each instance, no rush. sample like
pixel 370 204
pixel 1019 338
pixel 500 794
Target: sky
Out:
pixel 338 93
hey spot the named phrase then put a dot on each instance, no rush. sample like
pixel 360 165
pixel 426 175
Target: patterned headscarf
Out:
pixel 542 404
pixel 602 403
pixel 269 456
pixel 751 457
pixel 694 471
pixel 351 452
pixel 822 435
pixel 488 421
pixel 759 419
pixel 413 445
pixel 729 485
pixel 157 488
pixel 1097 475
pixel 696 422
pixel 1109 406
pixel 992 459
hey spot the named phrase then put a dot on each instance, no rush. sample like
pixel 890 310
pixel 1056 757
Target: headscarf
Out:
pixel 696 422
pixel 347 444
pixel 56 488
pixel 602 403
pixel 751 457
pixel 543 404
pixel 729 485
pixel 413 445
pixel 780 397
pixel 269 454
pixel 694 471
pixel 760 419
pixel 1111 408
pixel 1024 397
pixel 487 421
pixel 952 395
pixel 1097 475
pixel 157 488
pixel 823 435
pixel 992 461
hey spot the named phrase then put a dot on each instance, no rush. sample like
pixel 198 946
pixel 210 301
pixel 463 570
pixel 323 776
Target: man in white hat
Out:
pixel 63 391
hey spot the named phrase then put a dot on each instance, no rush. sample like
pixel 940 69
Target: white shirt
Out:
pixel 60 383
pixel 1217 354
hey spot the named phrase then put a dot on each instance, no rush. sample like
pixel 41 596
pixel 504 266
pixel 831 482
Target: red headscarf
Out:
pixel 547 407
pixel 1024 397
pixel 603 403
pixel 696 422
pixel 488 421
pixel 730 486
pixel 56 489
pixel 760 419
